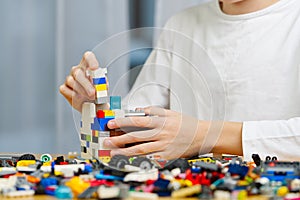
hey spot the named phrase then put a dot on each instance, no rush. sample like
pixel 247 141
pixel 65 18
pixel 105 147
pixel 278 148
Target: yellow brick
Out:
pixel 104 159
pixel 109 113
pixel 96 133
pixel 25 163
pixel 101 87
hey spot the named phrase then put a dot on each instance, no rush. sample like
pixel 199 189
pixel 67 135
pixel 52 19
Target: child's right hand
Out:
pixel 78 88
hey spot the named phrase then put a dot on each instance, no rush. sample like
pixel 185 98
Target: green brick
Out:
pixel 88 138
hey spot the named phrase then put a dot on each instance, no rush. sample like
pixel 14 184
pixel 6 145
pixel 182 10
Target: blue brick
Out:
pixel 238 169
pixel 103 123
pixel 95 126
pixel 115 102
pixel 97 81
pixel 87 144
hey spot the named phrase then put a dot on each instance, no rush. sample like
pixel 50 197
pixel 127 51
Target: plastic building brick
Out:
pixel 93 125
pixel 280 171
pixel 63 192
pixel 46 158
pixel 20 193
pixel 256 159
pixel 102 94
pixel 8 160
pixel 94 120
pixel 101 87
pixel 186 192
pixel 98 81
pixel 142 195
pixel 275 179
pixel 115 102
pixel 104 155
pixel 102 176
pixel 77 185
pixel 119 113
pixel 108 192
pixel 25 163
pixel 88 193
pixel 238 169
pixel 142 176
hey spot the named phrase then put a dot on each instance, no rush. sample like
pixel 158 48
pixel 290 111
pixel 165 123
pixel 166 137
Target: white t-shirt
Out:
pixel 243 68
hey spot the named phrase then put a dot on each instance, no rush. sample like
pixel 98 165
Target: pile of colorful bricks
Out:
pixel 142 178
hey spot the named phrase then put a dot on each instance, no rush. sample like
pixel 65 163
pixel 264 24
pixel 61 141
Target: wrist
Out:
pixel 221 137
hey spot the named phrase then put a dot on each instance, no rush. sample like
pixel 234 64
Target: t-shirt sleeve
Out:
pixel 280 138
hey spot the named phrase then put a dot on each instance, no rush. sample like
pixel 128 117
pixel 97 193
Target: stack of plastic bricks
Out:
pixel 94 118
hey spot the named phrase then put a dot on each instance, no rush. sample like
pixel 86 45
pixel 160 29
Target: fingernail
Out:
pixel 111 124
pixel 107 143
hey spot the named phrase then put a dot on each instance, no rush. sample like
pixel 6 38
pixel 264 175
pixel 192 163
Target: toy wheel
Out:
pixel 274 158
pixel 268 158
pixel 180 163
pixel 143 163
pixel 119 161
pixel 27 157
pixel 46 158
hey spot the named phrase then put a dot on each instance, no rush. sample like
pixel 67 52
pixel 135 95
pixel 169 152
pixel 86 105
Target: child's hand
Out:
pixel 77 87
pixel 169 135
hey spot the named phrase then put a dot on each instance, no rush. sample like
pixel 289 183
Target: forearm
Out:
pixel 229 140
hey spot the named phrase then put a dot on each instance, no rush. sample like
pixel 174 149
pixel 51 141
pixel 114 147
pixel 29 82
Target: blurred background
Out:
pixel 39 43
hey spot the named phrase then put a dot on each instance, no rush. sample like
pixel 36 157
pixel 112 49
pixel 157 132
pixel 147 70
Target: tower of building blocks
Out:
pixel 94 120
pixel 95 117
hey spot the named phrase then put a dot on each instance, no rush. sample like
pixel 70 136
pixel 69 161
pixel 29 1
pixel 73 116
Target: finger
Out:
pixel 67 92
pixel 89 61
pixel 141 149
pixel 72 97
pixel 73 84
pixel 107 82
pixel 163 155
pixel 156 155
pixel 129 138
pixel 80 77
pixel 141 122
pixel 155 111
